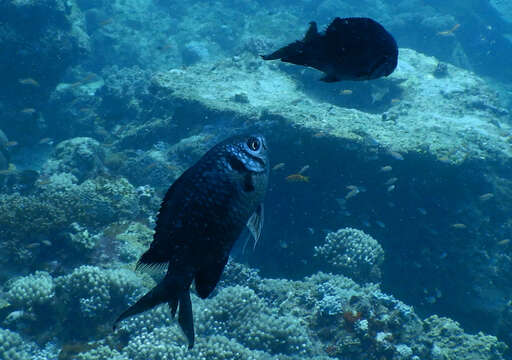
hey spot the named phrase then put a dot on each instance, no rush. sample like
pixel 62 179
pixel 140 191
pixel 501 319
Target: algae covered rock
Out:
pixel 82 157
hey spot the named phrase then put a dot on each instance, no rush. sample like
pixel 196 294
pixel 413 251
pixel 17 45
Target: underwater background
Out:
pixel 388 218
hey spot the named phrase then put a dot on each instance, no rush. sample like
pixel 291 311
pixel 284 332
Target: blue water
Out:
pixel 388 217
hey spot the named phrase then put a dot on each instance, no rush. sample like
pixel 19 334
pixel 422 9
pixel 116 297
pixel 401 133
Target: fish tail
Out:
pixel 175 292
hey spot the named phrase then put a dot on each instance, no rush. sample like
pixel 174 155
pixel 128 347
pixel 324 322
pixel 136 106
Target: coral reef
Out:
pixel 320 317
pixel 45 219
pixel 353 253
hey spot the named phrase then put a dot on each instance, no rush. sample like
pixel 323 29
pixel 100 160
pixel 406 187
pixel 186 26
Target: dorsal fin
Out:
pixel 311 33
pixel 336 25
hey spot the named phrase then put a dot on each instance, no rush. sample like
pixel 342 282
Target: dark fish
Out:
pixel 201 216
pixel 349 49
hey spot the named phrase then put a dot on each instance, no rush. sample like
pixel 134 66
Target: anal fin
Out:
pixel 207 278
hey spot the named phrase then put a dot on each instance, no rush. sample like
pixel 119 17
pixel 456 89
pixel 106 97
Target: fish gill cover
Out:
pixel 387 230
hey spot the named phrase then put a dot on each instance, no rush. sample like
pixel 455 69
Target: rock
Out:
pixel 83 157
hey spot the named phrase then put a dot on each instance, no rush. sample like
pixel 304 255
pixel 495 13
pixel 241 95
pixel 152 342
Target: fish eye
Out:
pixel 254 144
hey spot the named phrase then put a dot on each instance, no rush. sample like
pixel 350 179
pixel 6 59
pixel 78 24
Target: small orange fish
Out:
pixel 278 166
pixel 449 32
pixel 458 226
pixel 29 81
pixel 28 111
pixel 346 92
pixel 297 178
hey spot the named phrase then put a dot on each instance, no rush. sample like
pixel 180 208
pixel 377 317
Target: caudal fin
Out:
pixel 173 292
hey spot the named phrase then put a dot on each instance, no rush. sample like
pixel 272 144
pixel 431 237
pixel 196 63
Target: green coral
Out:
pixel 449 342
pixel 35 289
pixel 237 312
pixel 89 296
pixel 14 347
pixel 60 203
pixel 353 253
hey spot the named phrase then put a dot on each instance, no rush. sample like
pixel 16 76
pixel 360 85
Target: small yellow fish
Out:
pixel 449 32
pixel 486 197
pixel 75 84
pixel 297 178
pixel 303 169
pixel 396 155
pixel 151 166
pixel 458 226
pixel 351 193
pixel 320 134
pixel 28 81
pixel 386 168
pixel 9 170
pixel 391 181
pixel 503 242
pixel 46 140
pixel 346 92
pixel 105 22
pixel 10 143
pixel 278 166
pixel 90 77
pixel 28 111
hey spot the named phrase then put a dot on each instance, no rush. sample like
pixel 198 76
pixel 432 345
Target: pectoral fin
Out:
pixel 255 223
